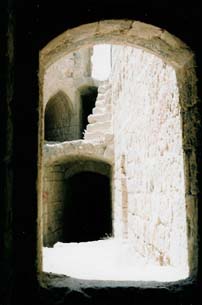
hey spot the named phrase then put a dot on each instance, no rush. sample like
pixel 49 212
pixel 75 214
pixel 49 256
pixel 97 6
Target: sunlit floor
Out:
pixel 108 259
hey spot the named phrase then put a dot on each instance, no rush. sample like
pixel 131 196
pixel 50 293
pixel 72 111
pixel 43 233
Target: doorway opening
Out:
pixel 88 99
pixel 88 208
pixel 58 117
pixel 140 125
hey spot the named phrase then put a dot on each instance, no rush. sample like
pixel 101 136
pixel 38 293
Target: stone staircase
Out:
pixel 100 121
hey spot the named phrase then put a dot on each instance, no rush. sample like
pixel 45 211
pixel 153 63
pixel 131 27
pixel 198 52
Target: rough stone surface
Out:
pixel 149 169
pixel 56 153
pixel 153 101
pixel 63 82
pixel 123 32
pixel 100 121
pixel 55 194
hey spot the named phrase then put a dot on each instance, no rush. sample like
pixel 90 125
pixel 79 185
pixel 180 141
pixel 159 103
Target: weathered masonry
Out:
pixel 140 129
pixel 49 142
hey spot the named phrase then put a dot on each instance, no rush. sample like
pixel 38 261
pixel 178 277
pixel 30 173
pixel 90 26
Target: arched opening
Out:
pixel 148 83
pixel 77 204
pixel 57 117
pixel 88 98
pixel 87 215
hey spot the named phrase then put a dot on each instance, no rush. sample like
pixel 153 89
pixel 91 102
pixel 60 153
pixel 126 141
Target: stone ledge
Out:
pixel 59 152
pixel 55 281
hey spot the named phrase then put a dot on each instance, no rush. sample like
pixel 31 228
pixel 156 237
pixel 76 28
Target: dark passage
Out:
pixel 57 118
pixel 88 208
pixel 88 98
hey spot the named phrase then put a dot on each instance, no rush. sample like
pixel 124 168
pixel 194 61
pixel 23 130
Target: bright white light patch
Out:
pixel 110 259
pixel 101 61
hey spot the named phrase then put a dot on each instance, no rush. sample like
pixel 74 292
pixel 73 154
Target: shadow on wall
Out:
pixel 88 97
pixel 77 204
pixel 87 215
pixel 58 114
pixel 149 175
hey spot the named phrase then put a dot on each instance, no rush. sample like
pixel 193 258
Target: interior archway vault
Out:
pixel 173 52
pixel 58 117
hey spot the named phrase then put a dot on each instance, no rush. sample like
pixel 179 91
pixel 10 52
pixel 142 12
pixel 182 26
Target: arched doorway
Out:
pixel 87 213
pixel 57 117
pixel 169 52
pixel 77 203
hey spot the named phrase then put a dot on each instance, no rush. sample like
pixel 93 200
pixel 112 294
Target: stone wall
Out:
pixel 57 201
pixel 154 78
pixel 58 118
pixel 54 190
pixel 150 169
pixel 68 75
pixel 149 191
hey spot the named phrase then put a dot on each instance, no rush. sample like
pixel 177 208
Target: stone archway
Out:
pixel 58 118
pixel 76 201
pixel 172 52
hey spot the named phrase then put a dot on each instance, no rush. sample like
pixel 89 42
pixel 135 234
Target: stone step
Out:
pixel 96 136
pixel 101 96
pixel 94 118
pixel 109 137
pixel 101 90
pixel 105 101
pixel 101 126
pixel 108 99
pixel 100 103
pixel 104 82
pixel 102 109
pixel 99 110
pixel 108 108
pixel 100 99
pixel 104 87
